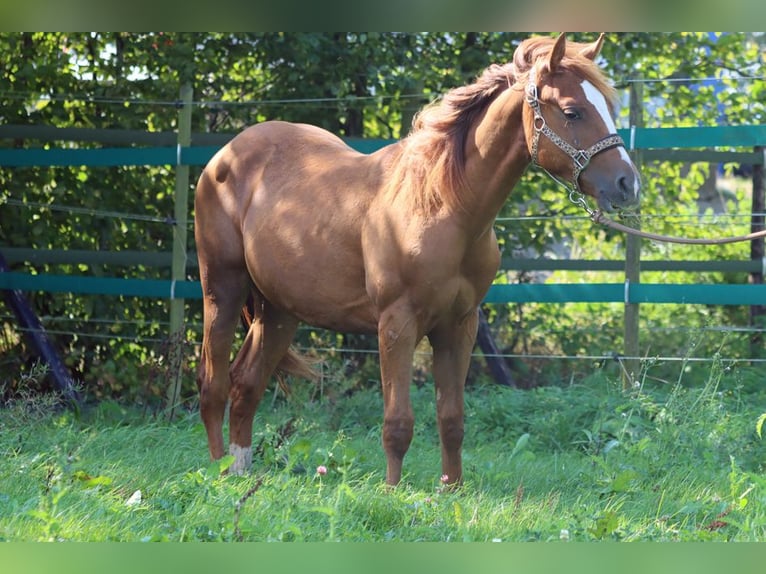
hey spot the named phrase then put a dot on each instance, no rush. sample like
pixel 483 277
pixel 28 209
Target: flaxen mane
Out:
pixel 431 164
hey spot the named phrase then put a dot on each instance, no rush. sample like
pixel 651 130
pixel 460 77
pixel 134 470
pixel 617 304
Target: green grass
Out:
pixel 582 462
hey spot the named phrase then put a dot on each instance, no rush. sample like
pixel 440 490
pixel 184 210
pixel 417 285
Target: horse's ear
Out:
pixel 592 50
pixel 558 51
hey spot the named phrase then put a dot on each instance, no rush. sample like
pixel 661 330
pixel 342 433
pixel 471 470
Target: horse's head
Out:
pixel 569 124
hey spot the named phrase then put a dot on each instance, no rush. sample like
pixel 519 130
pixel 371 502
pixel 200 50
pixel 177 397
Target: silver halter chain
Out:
pixel 580 157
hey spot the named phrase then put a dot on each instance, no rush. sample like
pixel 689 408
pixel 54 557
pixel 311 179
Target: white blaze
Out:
pixel 598 101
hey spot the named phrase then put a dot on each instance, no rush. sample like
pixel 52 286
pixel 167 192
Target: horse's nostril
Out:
pixel 622 185
pixel 626 186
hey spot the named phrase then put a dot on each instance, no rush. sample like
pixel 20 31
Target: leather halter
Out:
pixel 580 157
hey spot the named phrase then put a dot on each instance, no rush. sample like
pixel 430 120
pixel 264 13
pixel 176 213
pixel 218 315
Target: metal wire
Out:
pixel 702 219
pixel 197 326
pixel 88 211
pixel 60 97
pixel 335 350
pixel 118 101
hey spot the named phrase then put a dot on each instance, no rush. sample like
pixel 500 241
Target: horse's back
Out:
pixel 298 196
pixel 289 139
pixel 284 154
pixel 281 131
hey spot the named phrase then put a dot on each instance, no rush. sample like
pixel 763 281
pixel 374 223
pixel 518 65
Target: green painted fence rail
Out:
pixel 696 137
pixel 128 156
pixel 695 293
pixel 625 293
pixel 106 157
pixel 83 285
pixel 200 155
pixel 640 138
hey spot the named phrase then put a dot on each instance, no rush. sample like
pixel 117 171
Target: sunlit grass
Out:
pixel 583 462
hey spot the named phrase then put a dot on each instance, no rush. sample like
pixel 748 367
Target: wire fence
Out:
pixel 103 326
pixel 106 214
pixel 131 330
pixel 195 340
pixel 29 96
pixel 690 219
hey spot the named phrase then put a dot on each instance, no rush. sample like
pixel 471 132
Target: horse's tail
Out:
pixel 298 365
pixel 293 363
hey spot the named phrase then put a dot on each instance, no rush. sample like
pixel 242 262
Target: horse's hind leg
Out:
pixel 224 294
pixel 267 342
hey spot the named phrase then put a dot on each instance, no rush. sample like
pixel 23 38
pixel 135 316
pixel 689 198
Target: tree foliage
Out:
pixel 354 84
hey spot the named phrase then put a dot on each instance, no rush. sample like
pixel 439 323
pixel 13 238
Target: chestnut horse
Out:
pixel 399 242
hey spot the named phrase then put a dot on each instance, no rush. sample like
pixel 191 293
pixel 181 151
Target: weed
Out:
pixel 24 398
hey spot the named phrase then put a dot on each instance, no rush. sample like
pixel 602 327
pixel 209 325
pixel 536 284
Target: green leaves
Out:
pixel 216 468
pixel 605 525
pixel 624 481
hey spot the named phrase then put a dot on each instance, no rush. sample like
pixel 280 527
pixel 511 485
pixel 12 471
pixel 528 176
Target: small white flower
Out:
pixel 564 534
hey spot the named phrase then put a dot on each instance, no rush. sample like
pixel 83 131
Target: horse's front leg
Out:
pixel 397 336
pixel 452 345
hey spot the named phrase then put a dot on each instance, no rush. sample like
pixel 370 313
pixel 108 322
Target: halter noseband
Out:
pixel 580 157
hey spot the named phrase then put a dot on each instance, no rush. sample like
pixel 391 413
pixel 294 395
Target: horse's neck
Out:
pixel 496 156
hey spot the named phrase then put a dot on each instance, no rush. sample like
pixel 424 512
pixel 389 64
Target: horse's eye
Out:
pixel 571 114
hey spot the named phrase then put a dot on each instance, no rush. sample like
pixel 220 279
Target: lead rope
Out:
pixel 598 216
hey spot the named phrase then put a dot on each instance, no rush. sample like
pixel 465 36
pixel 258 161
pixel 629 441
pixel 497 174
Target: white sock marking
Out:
pixel 243 459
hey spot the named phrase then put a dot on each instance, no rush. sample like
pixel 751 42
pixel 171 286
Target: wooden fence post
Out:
pixel 757 312
pixel 632 365
pixel 178 271
pixel 499 369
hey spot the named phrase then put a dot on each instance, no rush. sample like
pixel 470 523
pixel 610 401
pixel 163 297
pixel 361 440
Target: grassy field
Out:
pixel 576 463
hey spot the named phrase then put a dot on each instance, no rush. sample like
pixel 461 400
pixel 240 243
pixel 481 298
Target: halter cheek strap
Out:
pixel 580 157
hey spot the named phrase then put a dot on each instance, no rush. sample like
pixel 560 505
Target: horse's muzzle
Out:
pixel 622 192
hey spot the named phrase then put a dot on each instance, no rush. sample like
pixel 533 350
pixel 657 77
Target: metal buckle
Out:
pixel 531 93
pixel 578 198
pixel 581 159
